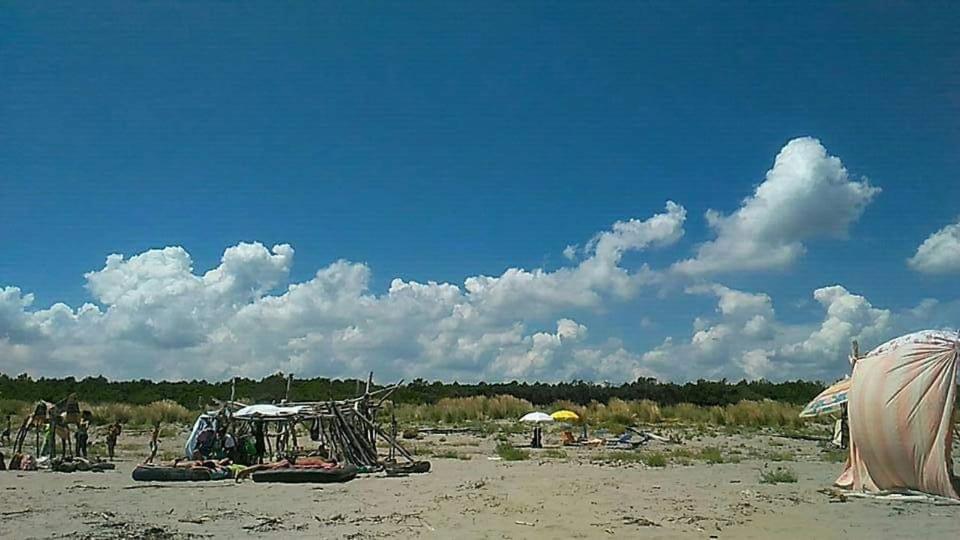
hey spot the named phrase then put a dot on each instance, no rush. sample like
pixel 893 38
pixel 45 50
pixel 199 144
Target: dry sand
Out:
pixel 577 496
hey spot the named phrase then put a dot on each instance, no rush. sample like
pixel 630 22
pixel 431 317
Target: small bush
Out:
pixel 554 453
pixel 711 454
pixel 655 459
pixel 509 453
pixel 779 475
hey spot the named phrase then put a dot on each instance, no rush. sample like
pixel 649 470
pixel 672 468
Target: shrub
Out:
pixel 554 453
pixel 509 453
pixel 655 459
pixel 711 454
pixel 779 475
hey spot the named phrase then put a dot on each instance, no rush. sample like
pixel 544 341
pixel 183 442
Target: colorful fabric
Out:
pixel 828 401
pixel 902 397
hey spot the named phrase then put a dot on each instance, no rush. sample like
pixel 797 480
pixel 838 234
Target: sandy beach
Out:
pixel 569 492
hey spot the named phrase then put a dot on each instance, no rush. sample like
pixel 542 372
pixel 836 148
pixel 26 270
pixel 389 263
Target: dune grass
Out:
pixel 165 411
pixel 711 454
pixel 508 452
pixel 780 475
pixel 654 459
pixel 613 415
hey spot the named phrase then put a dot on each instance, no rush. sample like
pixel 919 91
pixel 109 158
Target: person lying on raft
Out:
pixel 200 463
pixel 304 462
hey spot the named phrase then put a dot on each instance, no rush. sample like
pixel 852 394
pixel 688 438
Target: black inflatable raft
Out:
pixel 307 476
pixel 403 469
pixel 145 473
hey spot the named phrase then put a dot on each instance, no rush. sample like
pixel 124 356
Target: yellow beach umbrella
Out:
pixel 565 416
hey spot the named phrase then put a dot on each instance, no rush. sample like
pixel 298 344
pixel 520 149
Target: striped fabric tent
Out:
pixel 902 399
pixel 828 401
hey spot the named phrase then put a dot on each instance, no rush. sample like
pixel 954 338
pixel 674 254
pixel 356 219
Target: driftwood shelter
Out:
pixel 348 430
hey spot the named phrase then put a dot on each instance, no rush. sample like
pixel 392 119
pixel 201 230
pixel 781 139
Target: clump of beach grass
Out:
pixel 654 459
pixel 163 411
pixel 508 452
pixel 780 475
pixel 711 454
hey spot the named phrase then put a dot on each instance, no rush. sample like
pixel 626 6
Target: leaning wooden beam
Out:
pixel 361 445
pixel 390 440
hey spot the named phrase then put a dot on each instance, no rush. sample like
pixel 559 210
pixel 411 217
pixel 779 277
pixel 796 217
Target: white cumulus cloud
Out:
pixel 807 194
pixel 940 253
pixel 155 316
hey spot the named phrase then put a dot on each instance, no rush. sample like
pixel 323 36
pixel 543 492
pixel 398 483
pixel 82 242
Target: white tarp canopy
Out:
pixel 268 411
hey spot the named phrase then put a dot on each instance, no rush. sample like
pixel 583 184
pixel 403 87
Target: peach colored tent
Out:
pixel 901 403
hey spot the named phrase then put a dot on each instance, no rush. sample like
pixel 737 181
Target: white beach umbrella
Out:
pixel 536 418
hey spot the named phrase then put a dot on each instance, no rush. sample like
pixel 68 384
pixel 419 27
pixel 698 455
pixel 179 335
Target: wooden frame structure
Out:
pixel 349 429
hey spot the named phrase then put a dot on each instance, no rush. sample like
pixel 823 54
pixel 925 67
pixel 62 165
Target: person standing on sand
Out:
pixel 259 442
pixel 5 436
pixel 113 433
pixel 154 442
pixel 82 435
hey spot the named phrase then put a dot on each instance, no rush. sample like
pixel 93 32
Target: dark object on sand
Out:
pixel 69 465
pixel 147 473
pixel 307 476
pixel 403 469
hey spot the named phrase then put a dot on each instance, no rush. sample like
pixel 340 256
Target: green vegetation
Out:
pixel 711 454
pixel 644 400
pixel 164 411
pixel 451 454
pixel 834 456
pixel 613 416
pixel 655 459
pixel 491 408
pixel 509 453
pixel 779 475
pixel 554 453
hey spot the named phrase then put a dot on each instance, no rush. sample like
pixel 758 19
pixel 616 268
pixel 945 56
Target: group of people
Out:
pixel 81 436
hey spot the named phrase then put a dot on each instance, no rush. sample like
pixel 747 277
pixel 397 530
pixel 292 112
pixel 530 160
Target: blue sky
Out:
pixel 443 141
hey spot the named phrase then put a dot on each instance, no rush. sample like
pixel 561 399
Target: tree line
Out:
pixel 197 394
